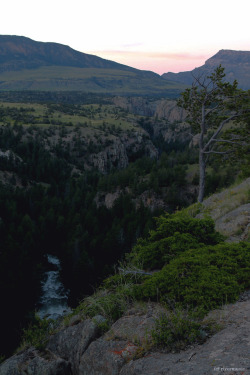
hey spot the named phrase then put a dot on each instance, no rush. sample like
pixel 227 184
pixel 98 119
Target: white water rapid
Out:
pixel 53 302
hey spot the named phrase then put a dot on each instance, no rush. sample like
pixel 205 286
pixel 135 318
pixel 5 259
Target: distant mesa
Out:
pixel 236 64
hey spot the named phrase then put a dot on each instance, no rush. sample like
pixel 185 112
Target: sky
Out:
pixel 156 35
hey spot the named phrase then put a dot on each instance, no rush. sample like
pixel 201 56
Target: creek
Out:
pixel 53 303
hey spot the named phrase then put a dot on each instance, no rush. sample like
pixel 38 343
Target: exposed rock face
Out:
pixel 139 106
pixel 179 132
pixel 31 362
pixel 111 157
pixel 231 211
pixel 107 199
pixel 150 200
pixel 164 108
pixel 134 326
pixel 147 198
pixel 114 353
pixel 104 357
pixel 10 155
pixel 172 129
pixel 71 342
pixel 228 348
pixel 117 155
pixel 169 110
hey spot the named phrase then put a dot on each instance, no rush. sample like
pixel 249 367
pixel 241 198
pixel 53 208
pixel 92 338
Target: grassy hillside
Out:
pixel 55 78
pixel 91 116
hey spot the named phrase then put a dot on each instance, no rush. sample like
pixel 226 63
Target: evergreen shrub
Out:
pixel 205 277
pixel 174 234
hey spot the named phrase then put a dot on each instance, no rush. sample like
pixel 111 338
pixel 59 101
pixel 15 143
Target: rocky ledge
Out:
pixel 79 349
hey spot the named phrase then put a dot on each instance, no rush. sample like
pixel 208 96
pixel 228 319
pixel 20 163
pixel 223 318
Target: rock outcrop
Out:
pixel 77 350
pixel 114 156
pixel 33 363
pixel 165 108
pixel 70 343
pixel 231 211
pixel 137 105
pixel 117 155
pixel 169 110
pixel 227 349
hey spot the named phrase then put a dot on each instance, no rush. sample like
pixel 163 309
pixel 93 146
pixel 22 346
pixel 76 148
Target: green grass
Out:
pixel 51 78
pixel 95 116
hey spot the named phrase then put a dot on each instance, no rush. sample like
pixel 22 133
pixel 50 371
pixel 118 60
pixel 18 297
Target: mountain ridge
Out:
pixel 26 64
pixel 13 47
pixel 236 64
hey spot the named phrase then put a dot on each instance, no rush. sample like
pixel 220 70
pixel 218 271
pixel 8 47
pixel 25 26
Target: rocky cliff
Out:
pixel 167 119
pixel 165 108
pixel 79 349
pixel 118 153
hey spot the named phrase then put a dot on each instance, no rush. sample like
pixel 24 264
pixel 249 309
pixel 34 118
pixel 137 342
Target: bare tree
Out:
pixel 212 103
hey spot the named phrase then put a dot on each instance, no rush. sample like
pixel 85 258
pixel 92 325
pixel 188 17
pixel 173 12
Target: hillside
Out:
pixel 236 64
pixel 18 52
pixel 26 64
pixel 107 333
pixel 82 182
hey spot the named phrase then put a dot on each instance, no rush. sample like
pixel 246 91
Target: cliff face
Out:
pixel 138 105
pixel 168 109
pixel 163 109
pixel 117 155
pixel 171 127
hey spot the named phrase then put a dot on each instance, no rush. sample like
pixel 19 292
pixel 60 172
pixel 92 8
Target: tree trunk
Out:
pixel 202 163
pixel 202 171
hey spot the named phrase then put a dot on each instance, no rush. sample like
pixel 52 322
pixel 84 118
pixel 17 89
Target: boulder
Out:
pixel 71 342
pixel 106 357
pixel 32 362
pixel 133 327
pixel 227 351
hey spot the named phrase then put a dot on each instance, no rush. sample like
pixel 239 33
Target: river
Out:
pixel 53 303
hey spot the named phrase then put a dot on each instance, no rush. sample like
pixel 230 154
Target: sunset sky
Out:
pixel 157 35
